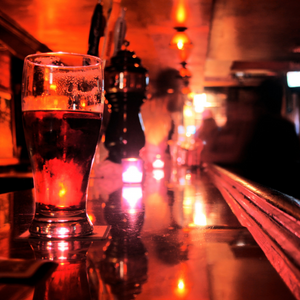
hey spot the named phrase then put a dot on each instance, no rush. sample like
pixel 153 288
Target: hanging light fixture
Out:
pixel 185 74
pixel 180 40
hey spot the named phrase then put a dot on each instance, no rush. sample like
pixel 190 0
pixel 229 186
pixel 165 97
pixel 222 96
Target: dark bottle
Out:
pixel 125 86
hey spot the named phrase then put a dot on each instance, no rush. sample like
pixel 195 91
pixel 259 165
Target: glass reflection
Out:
pixel 124 265
pixel 69 280
pixel 172 245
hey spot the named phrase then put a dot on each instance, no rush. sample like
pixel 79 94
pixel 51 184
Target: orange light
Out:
pixel 181 289
pixel 185 90
pixel 53 87
pixel 180 40
pixel 62 190
pixel 180 285
pixel 92 216
pixel 184 72
pixel 180 11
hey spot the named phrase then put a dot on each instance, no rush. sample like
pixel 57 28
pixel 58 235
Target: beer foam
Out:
pixel 53 102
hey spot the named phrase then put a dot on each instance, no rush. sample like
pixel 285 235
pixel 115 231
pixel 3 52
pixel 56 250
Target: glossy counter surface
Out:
pixel 172 238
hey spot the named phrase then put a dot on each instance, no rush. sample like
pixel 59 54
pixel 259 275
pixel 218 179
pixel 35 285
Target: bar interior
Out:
pixel 189 189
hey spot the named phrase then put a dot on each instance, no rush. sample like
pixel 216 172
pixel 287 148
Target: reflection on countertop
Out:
pixel 172 237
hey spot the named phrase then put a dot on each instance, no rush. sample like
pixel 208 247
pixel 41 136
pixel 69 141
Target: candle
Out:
pixel 158 163
pixel 132 170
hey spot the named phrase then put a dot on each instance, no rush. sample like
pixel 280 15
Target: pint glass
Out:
pixel 62 105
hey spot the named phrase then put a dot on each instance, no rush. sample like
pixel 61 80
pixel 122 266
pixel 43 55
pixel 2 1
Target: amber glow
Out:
pixel 180 11
pixel 180 284
pixel 180 41
pixel 184 72
pixel 185 90
pixel 92 216
pixel 181 289
pixel 199 215
pixel 199 102
pixel 62 191
pixel 188 111
pixel 53 87
pixel 132 159
pixel 58 187
pixel 180 44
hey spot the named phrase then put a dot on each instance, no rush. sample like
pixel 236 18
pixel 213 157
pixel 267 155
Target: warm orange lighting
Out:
pixel 199 102
pixel 180 284
pixel 199 215
pixel 62 190
pixel 185 90
pixel 188 111
pixel 92 216
pixel 181 289
pixel 53 87
pixel 185 73
pixel 132 194
pixel 180 40
pixel 180 12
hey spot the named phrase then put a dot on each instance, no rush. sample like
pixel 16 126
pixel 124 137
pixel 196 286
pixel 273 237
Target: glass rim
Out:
pixel 58 53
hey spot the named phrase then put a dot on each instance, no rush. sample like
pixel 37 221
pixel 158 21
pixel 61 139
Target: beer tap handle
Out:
pixel 120 32
pixel 98 24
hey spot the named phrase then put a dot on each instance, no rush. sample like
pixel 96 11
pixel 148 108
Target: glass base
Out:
pixel 60 228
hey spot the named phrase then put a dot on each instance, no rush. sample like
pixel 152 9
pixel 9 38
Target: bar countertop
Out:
pixel 173 237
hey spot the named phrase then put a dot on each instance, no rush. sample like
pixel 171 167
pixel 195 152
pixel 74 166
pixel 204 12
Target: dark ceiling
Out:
pixel 256 37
